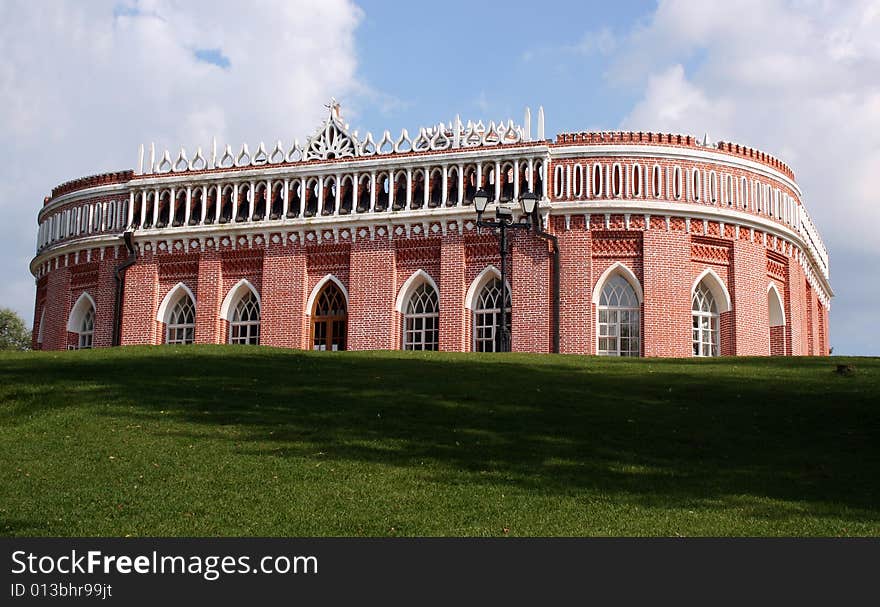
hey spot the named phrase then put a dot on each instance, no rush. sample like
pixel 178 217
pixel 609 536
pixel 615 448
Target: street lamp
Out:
pixel 502 222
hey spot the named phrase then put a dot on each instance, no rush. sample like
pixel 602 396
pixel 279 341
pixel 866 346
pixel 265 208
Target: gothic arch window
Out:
pixel 245 325
pixel 618 320
pixel 487 317
pixel 422 318
pixel 330 318
pixel 776 316
pixel 180 319
pixel 82 320
pixel 705 315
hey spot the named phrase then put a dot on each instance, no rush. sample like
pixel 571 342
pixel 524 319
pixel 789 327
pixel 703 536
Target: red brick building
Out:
pixel 664 246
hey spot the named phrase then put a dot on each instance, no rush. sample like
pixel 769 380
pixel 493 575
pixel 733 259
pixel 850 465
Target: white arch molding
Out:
pixel 412 283
pixel 776 311
pixel 310 303
pixel 626 274
pixel 716 287
pixel 489 272
pixel 171 298
pixel 233 296
pixel 78 312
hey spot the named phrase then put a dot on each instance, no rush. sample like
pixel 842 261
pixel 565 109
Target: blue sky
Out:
pixel 800 80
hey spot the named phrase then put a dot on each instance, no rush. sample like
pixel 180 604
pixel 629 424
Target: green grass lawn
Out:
pixel 223 440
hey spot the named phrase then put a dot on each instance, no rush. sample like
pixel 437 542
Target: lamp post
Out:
pixel 504 221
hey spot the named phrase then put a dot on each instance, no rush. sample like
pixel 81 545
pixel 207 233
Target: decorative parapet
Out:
pixel 333 140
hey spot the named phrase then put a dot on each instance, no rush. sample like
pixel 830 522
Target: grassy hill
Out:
pixel 222 440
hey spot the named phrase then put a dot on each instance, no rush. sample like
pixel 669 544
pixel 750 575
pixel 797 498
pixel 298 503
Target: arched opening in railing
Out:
pixel 400 191
pixel 418 189
pixel 195 211
pixel 506 176
pixel 328 204
pixel 179 209
pixel 260 199
pixel 364 194
pixel 311 198
pixel 346 197
pixel 470 183
pixel 294 199
pixel 435 188
pixel 164 209
pixel 244 202
pixel 383 189
pixel 452 192
pixel 277 207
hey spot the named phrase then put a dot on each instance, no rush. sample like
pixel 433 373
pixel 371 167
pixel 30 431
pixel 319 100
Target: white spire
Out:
pixel 527 124
pixel 540 123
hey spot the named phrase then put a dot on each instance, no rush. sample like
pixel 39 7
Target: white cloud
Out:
pixel 82 84
pixel 800 80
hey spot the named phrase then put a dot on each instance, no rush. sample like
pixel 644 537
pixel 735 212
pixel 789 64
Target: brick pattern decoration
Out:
pixel 284 273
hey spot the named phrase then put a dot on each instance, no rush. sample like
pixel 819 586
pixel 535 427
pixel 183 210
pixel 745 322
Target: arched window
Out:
pixel 776 316
pixel 487 319
pixel 329 319
pixel 618 327
pixel 181 327
pixel 705 321
pixel 82 320
pixel 87 328
pixel 245 325
pixel 421 321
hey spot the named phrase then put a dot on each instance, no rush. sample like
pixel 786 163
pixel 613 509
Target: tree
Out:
pixel 13 332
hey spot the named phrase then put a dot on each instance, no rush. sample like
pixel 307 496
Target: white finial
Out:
pixel 141 159
pixel 214 151
pixel 152 157
pixel 540 123
pixel 705 139
pixel 456 132
pixel 527 124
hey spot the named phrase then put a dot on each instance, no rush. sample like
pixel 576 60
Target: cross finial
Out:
pixel 333 106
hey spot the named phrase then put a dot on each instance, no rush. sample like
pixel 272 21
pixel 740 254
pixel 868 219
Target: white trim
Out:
pixel 717 287
pixel 412 283
pixel 170 300
pixel 78 311
pixel 232 297
pixel 772 288
pixel 310 303
pixel 626 274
